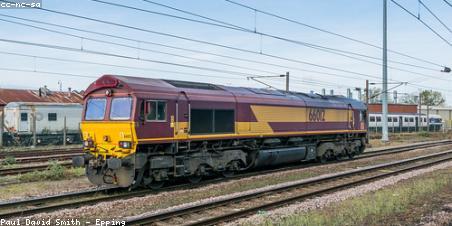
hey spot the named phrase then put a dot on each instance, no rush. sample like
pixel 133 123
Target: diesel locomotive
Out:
pixel 144 132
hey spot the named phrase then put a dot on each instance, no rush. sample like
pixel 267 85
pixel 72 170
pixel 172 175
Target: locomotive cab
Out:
pixel 108 132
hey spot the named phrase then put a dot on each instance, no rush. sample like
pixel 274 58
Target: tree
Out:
pixel 411 98
pixel 432 98
pixel 374 95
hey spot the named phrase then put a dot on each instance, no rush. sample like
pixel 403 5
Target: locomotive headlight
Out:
pixel 125 144
pixel 88 143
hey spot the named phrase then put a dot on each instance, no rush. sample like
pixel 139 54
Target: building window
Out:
pixel 23 117
pixel 411 119
pixel 52 117
pixel 372 118
pixel 389 119
pixel 395 119
pixel 156 110
pixel 378 119
pixel 405 119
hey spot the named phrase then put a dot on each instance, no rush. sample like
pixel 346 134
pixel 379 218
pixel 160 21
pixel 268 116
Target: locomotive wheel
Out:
pixel 194 179
pixel 228 173
pixel 154 185
pixel 328 155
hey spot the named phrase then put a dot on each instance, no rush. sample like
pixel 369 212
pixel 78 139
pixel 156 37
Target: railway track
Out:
pixel 39 152
pixel 28 169
pixel 228 209
pixel 31 156
pixel 77 199
pixel 62 157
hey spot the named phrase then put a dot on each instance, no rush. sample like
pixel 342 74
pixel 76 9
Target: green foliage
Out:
pixel 9 160
pixel 411 98
pixel 432 98
pixel 424 134
pixel 374 95
pixel 370 207
pixel 55 171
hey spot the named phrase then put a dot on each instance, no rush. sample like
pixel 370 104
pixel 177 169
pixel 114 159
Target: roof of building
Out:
pixel 41 95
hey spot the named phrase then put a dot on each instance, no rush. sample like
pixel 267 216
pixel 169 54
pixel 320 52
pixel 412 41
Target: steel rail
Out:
pixel 34 153
pixel 155 218
pixel 46 158
pixel 28 169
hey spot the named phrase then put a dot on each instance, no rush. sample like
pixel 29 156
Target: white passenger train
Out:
pixel 405 122
pixel 19 122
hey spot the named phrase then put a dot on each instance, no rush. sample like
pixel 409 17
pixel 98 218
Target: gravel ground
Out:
pixel 441 218
pixel 43 188
pixel 323 201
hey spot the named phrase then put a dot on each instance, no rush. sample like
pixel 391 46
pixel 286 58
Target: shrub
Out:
pixel 55 171
pixel 424 134
pixel 9 160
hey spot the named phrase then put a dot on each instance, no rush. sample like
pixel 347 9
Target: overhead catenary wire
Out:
pixel 184 49
pixel 86 38
pixel 448 3
pixel 253 31
pixel 115 65
pixel 252 51
pixel 59 74
pixel 434 15
pixel 64 48
pixel 200 41
pixel 322 48
pixel 139 48
pixel 423 22
pixel 328 32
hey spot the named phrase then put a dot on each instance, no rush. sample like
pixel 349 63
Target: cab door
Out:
pixel 24 121
pixel 351 117
pixel 181 119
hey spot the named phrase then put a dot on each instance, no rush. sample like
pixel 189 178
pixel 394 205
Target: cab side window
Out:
pixel 155 110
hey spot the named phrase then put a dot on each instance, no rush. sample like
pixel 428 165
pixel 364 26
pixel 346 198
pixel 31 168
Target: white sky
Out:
pixel 357 19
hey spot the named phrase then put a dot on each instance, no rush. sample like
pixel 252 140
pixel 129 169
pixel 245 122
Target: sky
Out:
pixel 144 55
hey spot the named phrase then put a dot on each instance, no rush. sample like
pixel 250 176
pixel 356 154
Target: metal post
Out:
pixel 64 131
pixel 287 81
pixel 367 93
pixel 385 137
pixel 428 118
pixel 420 113
pixel 34 128
pixel 2 118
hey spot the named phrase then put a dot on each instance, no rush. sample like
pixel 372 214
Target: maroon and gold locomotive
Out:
pixel 142 131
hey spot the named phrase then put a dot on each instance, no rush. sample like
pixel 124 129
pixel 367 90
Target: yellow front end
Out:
pixel 109 139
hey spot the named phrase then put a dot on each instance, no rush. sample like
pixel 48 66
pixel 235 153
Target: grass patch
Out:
pixel 55 171
pixel 9 160
pixel 424 134
pixel 370 209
